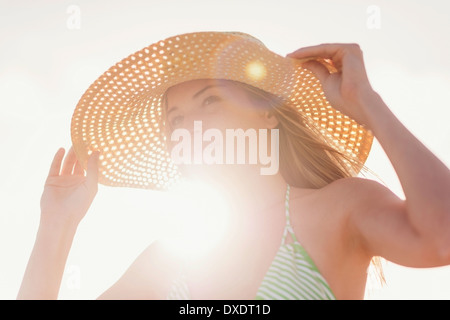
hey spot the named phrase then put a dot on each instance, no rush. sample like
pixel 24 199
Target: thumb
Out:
pixel 319 70
pixel 92 170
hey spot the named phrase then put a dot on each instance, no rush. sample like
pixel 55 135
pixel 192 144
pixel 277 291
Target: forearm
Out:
pixel 424 178
pixel 43 275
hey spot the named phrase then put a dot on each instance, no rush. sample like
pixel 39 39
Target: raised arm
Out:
pixel 414 231
pixel 68 194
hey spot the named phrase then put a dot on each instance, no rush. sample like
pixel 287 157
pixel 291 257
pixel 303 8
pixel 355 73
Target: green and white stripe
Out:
pixel 293 275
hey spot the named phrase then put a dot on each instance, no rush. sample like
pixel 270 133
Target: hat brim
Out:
pixel 120 114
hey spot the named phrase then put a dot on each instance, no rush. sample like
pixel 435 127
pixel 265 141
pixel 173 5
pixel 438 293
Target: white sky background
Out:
pixel 46 65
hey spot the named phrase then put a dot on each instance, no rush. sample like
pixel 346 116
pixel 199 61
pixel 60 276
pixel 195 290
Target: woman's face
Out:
pixel 218 104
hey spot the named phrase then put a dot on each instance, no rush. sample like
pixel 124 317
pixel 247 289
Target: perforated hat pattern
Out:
pixel 121 114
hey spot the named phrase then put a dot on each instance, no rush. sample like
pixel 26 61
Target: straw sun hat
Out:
pixel 120 114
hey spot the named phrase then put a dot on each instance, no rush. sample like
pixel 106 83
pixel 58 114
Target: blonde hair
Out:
pixel 306 158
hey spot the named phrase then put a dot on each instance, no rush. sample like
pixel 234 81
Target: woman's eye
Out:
pixel 210 100
pixel 176 120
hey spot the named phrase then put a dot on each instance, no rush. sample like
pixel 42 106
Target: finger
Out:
pixel 92 170
pixel 55 167
pixel 322 50
pixel 78 169
pixel 326 51
pixel 319 70
pixel 69 162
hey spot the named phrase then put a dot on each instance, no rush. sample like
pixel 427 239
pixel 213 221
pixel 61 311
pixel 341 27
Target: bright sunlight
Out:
pixel 197 221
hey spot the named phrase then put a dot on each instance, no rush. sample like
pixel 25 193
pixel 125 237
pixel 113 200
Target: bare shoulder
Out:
pixel 373 215
pixel 323 221
pixel 342 194
pixel 329 208
pixel 356 192
pixel 353 184
pixel 148 277
pixel 342 205
pixel 360 198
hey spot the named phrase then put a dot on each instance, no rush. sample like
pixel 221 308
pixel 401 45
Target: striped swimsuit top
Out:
pixel 292 275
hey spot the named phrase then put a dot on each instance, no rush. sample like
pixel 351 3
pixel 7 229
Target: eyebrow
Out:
pixel 197 94
pixel 206 88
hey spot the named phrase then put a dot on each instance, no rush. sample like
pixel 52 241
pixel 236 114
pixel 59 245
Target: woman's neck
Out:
pixel 246 191
pixel 253 202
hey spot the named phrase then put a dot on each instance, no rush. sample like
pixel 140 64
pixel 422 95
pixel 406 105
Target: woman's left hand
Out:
pixel 347 88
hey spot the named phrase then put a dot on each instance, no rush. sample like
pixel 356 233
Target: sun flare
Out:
pixel 197 220
pixel 255 70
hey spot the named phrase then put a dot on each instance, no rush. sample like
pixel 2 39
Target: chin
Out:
pixel 203 171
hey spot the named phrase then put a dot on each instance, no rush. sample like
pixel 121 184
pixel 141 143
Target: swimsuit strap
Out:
pixel 288 227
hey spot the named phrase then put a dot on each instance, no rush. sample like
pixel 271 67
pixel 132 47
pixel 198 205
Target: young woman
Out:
pixel 310 230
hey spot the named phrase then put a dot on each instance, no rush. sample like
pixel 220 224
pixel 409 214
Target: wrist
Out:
pixel 373 108
pixel 57 225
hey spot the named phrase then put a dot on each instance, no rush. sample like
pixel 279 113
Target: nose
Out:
pixel 187 123
pixel 189 120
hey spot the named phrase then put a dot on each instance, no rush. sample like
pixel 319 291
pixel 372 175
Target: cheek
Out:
pixel 228 120
pixel 243 119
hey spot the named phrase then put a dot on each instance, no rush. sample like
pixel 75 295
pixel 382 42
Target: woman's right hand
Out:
pixel 69 191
